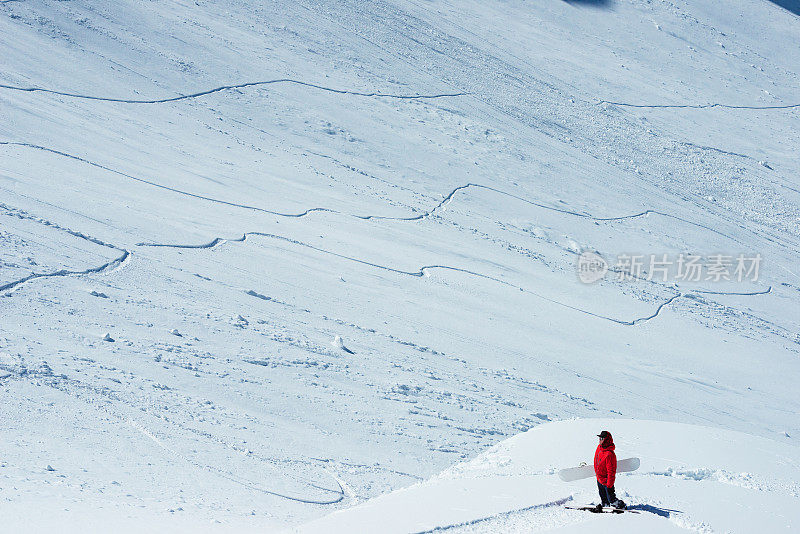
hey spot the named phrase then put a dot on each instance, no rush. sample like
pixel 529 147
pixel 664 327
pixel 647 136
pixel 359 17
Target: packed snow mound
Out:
pixel 691 477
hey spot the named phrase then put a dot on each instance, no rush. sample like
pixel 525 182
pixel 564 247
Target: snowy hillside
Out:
pixel 262 262
pixel 691 478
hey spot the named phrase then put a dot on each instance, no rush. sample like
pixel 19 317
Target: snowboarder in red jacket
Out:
pixel 605 467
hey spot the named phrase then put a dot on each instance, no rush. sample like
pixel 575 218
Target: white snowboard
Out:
pixel 587 471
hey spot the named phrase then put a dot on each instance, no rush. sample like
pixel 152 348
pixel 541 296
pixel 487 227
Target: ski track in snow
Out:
pixel 340 493
pixel 502 515
pixel 60 384
pixel 424 269
pixel 65 272
pixel 419 273
pixel 697 106
pixel 447 199
pixel 161 186
pixel 108 266
pixel 513 520
pixel 229 88
pixel 159 438
pixel 22 214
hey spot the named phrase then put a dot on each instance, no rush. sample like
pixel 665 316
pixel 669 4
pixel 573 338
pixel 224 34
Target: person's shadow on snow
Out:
pixel 592 3
pixel 663 512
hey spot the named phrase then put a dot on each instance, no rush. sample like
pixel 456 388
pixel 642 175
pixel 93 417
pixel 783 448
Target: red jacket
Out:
pixel 605 462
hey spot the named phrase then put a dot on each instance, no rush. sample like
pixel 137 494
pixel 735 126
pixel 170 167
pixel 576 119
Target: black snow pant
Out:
pixel 607 495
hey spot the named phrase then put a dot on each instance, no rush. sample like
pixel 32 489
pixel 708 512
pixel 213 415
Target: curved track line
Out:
pixel 422 216
pixel 424 269
pixel 14 212
pixel 340 493
pixel 733 293
pixel 64 272
pixel 22 214
pixel 447 199
pixel 551 504
pixel 644 213
pixel 161 186
pixel 696 106
pixel 228 88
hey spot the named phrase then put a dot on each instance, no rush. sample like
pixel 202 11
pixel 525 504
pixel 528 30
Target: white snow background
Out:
pixel 312 265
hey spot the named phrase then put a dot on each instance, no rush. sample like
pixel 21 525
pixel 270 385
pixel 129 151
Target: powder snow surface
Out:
pixel 262 262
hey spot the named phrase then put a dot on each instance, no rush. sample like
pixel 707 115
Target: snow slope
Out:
pixel 691 478
pixel 202 204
